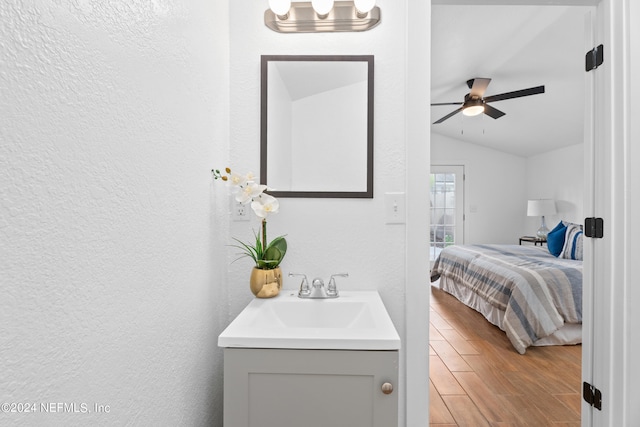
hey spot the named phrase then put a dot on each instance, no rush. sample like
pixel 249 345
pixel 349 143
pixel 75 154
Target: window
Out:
pixel 447 208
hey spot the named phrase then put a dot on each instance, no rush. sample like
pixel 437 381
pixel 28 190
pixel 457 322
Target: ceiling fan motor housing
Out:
pixel 473 100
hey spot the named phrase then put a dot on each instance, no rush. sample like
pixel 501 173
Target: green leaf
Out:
pixel 275 251
pixel 265 258
pixel 247 250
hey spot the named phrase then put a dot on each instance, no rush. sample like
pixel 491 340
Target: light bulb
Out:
pixel 474 110
pixel 364 6
pixel 280 7
pixel 322 7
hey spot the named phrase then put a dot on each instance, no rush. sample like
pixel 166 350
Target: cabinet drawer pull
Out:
pixel 387 388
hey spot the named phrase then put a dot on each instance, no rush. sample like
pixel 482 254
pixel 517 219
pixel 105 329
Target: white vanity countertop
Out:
pixel 356 320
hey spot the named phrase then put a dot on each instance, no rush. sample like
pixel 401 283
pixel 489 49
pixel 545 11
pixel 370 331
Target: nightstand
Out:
pixel 533 239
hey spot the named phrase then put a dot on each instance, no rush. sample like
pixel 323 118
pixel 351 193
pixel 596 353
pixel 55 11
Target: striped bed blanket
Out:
pixel 538 292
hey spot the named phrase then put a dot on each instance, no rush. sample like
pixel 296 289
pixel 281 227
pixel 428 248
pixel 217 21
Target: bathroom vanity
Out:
pixel 312 363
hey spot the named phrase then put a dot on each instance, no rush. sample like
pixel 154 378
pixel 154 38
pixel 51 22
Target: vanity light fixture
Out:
pixel 316 16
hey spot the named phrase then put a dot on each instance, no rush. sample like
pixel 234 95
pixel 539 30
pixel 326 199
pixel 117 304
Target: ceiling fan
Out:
pixel 476 103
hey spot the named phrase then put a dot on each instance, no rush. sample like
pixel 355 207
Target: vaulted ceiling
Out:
pixel 517 47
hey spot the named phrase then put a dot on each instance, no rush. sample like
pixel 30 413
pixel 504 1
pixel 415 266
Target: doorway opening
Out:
pixel 454 361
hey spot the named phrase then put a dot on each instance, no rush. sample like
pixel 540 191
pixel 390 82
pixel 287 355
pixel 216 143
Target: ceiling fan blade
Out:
pixel 478 86
pixel 453 113
pixel 492 112
pixel 515 94
pixel 448 103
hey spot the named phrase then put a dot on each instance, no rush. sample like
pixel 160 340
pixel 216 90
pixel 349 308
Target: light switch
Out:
pixel 394 206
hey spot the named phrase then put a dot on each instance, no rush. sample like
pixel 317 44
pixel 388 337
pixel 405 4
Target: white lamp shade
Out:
pixel 280 7
pixel 541 207
pixel 364 6
pixel 322 7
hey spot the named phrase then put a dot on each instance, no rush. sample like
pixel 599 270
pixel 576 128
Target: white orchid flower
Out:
pixel 264 204
pixel 246 188
pixel 249 191
pixel 236 182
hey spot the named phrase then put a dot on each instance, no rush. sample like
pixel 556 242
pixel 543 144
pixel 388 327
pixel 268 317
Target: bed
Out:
pixel 532 295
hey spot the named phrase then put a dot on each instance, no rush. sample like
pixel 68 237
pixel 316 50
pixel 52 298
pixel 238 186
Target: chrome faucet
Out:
pixel 331 287
pixel 317 289
pixel 304 291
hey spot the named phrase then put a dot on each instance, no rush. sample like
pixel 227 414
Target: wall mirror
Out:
pixel 316 125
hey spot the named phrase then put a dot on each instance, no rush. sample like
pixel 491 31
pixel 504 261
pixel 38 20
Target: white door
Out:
pixel 447 208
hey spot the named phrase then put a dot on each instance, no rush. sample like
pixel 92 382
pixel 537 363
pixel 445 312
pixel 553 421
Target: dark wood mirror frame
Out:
pixel 265 59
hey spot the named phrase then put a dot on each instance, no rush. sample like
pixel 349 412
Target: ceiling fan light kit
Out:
pixel 475 102
pixel 473 107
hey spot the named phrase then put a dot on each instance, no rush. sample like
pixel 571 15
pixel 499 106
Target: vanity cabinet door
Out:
pixel 309 388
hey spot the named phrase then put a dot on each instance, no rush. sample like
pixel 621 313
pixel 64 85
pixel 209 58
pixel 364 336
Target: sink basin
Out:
pixel 289 313
pixel 357 320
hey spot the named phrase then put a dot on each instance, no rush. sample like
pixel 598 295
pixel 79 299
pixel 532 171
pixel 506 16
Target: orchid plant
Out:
pixel 266 255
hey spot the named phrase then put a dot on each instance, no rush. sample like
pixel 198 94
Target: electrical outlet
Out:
pixel 239 211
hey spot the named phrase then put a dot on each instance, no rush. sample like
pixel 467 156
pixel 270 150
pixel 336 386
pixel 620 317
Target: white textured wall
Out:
pixel 112 114
pixel 495 189
pixel 557 175
pixel 326 235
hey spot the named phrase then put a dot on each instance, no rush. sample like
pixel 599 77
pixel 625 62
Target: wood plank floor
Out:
pixel 478 379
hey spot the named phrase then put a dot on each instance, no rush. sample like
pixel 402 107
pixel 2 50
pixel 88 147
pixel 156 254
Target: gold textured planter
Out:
pixel 265 283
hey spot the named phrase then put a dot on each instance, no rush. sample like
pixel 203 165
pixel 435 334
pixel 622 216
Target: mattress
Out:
pixel 533 296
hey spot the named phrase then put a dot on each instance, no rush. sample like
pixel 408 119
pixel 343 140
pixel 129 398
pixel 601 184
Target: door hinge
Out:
pixel 594 58
pixel 594 227
pixel 592 395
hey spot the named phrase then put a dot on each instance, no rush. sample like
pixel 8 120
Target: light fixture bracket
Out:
pixel 303 19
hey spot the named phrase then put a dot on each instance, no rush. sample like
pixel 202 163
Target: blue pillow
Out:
pixel 555 239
